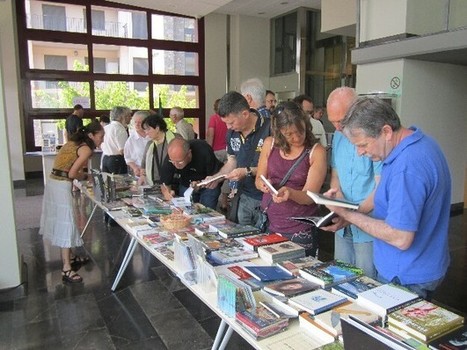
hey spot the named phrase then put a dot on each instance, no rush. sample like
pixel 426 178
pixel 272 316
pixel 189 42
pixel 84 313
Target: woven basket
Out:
pixel 175 221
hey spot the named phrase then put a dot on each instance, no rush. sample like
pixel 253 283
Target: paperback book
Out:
pixel 425 320
pixel 338 202
pixel 255 241
pixel 318 221
pixel 290 288
pixel 352 289
pixel 294 265
pixel 268 273
pixel 157 239
pixel 386 298
pixel 455 340
pixel 317 301
pixel 229 229
pixel 281 251
pixel 200 214
pixel 328 274
pixel 260 322
pixel 307 321
pixel 231 254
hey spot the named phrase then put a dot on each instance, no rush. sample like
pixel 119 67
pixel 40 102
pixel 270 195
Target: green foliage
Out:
pixel 118 93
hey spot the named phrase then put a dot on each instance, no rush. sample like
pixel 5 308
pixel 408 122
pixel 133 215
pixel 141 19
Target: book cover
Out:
pixel 279 310
pixel 351 289
pixel 290 288
pixel 261 322
pixel 318 221
pixel 317 301
pixel 307 321
pixel 232 254
pixel 268 273
pixel 229 229
pixel 338 202
pixel 386 298
pixel 255 241
pixel 455 340
pixel 281 251
pixel 157 238
pixel 331 273
pixel 294 265
pixel 425 320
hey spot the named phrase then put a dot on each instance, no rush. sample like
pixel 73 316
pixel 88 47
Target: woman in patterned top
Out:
pixel 57 219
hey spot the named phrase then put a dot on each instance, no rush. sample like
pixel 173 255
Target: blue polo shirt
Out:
pixel 356 177
pixel 247 150
pixel 414 194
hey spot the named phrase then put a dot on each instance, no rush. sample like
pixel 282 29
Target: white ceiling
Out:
pixel 200 8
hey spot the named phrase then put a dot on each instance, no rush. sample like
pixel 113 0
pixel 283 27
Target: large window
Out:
pixel 285 43
pixel 111 61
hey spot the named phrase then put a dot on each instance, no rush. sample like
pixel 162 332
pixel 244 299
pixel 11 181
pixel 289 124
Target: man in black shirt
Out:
pixel 189 162
pixel 74 121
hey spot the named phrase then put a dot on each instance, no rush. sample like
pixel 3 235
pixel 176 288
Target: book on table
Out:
pixel 307 322
pixel 260 322
pixel 425 320
pixel 352 289
pixel 337 202
pixel 318 221
pixel 386 298
pixel 294 265
pixel 454 340
pixel 229 229
pixel 201 214
pixel 255 241
pixel 317 301
pixel 330 273
pixel 290 288
pixel 268 273
pixel 281 251
pixel 231 254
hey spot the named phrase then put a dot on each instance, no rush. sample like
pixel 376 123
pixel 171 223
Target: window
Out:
pixel 285 43
pixel 126 70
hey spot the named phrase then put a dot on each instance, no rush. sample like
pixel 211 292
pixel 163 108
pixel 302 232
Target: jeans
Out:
pixel 358 254
pixel 425 290
pixel 206 196
pixel 114 164
pixel 249 211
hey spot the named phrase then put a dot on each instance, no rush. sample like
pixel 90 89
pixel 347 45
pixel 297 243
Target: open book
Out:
pixel 318 221
pixel 208 181
pixel 338 202
pixel 269 185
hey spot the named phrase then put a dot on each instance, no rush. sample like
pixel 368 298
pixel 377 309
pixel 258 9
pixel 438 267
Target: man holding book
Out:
pixel 412 202
pixel 355 179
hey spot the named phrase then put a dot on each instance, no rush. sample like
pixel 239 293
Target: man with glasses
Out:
pixel 189 163
pixel 308 107
pixel 270 101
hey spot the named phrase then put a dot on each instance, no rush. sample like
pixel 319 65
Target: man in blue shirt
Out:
pixel 355 179
pixel 245 138
pixel 412 201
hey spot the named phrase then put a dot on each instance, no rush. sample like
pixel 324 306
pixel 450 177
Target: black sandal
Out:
pixel 71 277
pixel 81 260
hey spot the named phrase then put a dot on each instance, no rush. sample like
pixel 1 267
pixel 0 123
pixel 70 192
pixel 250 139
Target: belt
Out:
pixel 60 173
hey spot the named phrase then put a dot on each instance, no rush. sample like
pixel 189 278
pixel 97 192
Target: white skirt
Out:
pixel 58 223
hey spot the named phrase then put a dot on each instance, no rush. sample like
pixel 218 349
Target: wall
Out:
pixel 9 255
pixel 431 96
pixel 339 17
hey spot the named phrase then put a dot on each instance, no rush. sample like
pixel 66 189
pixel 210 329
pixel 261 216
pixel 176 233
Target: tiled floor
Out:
pixel 150 309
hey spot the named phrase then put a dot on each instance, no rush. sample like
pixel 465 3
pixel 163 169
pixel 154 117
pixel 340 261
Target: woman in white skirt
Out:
pixel 57 219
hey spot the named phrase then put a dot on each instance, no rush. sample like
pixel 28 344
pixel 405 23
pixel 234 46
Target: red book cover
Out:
pixel 261 240
pixel 241 273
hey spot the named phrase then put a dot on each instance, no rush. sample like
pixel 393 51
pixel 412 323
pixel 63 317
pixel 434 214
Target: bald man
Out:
pixel 189 162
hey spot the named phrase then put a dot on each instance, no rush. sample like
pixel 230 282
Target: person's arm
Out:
pixel 367 205
pixel 76 170
pixel 314 180
pixel 262 168
pixel 226 169
pixel 210 136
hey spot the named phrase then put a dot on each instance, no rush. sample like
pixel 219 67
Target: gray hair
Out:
pixel 142 114
pixel 255 88
pixel 370 114
pixel 119 113
pixel 178 111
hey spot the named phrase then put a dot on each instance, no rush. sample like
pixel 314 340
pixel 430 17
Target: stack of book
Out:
pixel 352 289
pixel 139 227
pixel 278 252
pixel 232 254
pixel 424 321
pixel 200 214
pixel 316 301
pixel 153 208
pixel 260 322
pixel 294 265
pixel 255 241
pixel 157 239
pixel 233 295
pixel 268 273
pixel 328 274
pixel 291 287
pixel 229 229
pixel 386 298
pixel 455 340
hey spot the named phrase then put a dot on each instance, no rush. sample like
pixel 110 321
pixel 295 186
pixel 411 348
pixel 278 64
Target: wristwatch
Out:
pixel 248 171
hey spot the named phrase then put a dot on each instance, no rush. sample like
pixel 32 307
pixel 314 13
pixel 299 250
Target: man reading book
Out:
pixel 412 201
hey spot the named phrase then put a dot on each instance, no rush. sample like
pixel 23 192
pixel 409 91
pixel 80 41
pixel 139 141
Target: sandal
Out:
pixel 77 259
pixel 71 277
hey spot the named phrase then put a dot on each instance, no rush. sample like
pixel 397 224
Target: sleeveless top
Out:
pixel 279 213
pixel 65 158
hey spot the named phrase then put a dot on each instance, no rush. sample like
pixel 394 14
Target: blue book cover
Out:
pixel 268 273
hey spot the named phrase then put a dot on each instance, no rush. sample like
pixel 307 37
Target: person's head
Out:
pixel 235 111
pixel 216 106
pixel 306 103
pixel 179 153
pixel 254 92
pixel 78 110
pixel 370 125
pixel 137 120
pixel 318 113
pixel 270 100
pixel 104 120
pixel 120 114
pixel 338 103
pixel 176 114
pixel 155 127
pixel 92 134
pixel 291 127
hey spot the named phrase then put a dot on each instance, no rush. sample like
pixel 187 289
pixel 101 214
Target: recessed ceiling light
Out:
pixel 284 3
pixel 261 13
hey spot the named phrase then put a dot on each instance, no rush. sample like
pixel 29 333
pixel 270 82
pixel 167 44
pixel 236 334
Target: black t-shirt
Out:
pixel 73 123
pixel 203 163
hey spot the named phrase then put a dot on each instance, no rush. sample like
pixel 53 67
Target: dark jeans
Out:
pixel 206 196
pixel 114 164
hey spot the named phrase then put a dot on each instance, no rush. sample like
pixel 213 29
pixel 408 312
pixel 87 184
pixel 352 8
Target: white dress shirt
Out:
pixel 114 139
pixel 134 148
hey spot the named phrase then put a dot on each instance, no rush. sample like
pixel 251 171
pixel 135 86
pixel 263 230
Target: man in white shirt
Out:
pixel 318 130
pixel 183 128
pixel 136 143
pixel 115 138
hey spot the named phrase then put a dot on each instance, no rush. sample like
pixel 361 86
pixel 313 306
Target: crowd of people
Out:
pixel 398 175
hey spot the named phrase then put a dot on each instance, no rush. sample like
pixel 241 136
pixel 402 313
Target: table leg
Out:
pixel 219 335
pixel 226 338
pixel 89 220
pixel 128 255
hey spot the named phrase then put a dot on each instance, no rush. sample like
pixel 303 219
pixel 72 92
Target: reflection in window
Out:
pixel 119 59
pixel 175 62
pixel 119 23
pixel 174 28
pixel 69 18
pixel 140 66
pixel 120 93
pixel 72 56
pixel 57 94
pixel 52 127
pixel 285 43
pixel 185 96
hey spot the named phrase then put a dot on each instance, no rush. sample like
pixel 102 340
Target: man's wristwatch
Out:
pixel 248 171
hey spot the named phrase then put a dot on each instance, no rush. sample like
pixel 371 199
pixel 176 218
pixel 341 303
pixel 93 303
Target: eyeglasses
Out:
pixel 179 162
